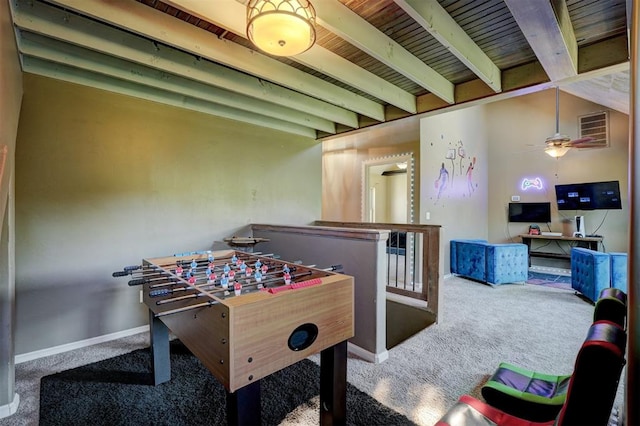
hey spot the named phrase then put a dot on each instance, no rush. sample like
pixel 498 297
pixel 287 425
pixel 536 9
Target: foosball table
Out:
pixel 246 316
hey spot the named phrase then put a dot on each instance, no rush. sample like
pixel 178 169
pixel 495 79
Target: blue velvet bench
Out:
pixel 490 263
pixel 593 271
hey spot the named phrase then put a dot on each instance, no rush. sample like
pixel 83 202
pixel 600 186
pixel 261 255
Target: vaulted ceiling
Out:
pixel 374 61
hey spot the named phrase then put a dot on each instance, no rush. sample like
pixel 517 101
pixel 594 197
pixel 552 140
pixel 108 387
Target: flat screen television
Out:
pixel 530 212
pixel 589 196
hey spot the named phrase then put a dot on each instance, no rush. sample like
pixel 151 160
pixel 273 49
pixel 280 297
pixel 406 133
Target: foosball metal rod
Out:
pixel 200 275
pixel 216 261
pixel 240 279
pixel 141 281
pixel 216 290
pixel 186 308
pixel 218 267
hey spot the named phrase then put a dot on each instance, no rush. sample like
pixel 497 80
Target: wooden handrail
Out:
pixel 430 256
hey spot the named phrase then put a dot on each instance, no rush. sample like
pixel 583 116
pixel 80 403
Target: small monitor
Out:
pixel 530 212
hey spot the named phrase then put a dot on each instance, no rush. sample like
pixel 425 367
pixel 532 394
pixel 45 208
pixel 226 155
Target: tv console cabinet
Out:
pixel 586 242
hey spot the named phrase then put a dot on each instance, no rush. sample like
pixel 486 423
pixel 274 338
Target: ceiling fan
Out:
pixel 558 144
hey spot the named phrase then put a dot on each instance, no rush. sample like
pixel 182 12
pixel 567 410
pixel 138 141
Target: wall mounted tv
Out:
pixel 530 212
pixel 589 196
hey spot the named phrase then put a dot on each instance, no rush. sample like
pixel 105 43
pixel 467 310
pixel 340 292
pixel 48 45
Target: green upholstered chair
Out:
pixel 524 393
pixel 590 394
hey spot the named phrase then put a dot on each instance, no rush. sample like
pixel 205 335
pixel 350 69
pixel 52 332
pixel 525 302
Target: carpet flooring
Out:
pixel 119 391
pixel 534 326
pixel 550 280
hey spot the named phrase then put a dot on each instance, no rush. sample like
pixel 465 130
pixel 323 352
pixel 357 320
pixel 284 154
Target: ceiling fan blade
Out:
pixel 582 142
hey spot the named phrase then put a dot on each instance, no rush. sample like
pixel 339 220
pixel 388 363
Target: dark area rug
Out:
pixel 119 391
pixel 550 280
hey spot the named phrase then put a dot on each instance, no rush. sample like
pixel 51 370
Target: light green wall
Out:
pixel 455 139
pixel 104 180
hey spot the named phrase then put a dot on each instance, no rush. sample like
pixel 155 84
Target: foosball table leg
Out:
pixel 333 385
pixel 243 405
pixel 160 362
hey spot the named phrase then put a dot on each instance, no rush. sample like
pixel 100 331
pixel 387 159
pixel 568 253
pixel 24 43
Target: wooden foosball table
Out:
pixel 247 316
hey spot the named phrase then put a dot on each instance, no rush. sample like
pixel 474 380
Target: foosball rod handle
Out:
pixel 130 270
pixel 332 268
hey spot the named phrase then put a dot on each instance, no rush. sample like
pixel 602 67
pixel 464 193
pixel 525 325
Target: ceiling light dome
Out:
pixel 281 27
pixel 556 150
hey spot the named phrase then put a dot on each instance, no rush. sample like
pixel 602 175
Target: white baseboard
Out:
pixel 366 355
pixel 8 409
pixel 406 300
pixel 29 356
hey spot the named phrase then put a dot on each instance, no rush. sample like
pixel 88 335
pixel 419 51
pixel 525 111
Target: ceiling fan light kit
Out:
pixel 556 151
pixel 559 144
pixel 281 27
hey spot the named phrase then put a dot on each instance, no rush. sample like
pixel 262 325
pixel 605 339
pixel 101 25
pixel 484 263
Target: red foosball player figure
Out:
pixel 237 288
pixel 287 278
pixel 179 270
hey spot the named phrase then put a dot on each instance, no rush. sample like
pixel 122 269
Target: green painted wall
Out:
pixel 103 180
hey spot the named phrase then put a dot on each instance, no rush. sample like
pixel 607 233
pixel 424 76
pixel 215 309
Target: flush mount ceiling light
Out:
pixel 281 27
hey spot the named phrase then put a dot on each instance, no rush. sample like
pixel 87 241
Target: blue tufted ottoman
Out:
pixel 490 263
pixel 590 272
pixel 619 271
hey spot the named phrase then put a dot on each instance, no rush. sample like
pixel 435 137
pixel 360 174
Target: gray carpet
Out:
pixel 534 326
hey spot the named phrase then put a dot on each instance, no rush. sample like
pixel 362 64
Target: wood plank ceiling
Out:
pixel 374 60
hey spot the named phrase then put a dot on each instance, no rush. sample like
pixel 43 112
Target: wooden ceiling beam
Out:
pixel 547 27
pixel 156 25
pixel 435 19
pixel 59 52
pixel 52 22
pixel 103 82
pixel 231 15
